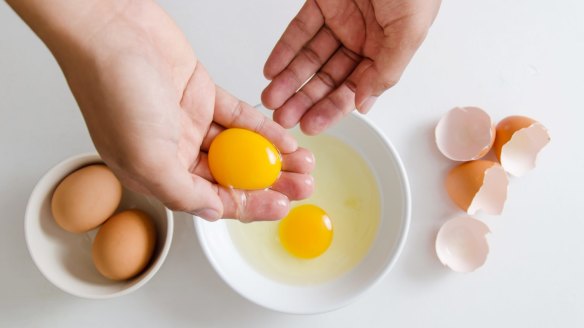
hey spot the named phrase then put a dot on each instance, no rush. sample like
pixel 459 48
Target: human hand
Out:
pixel 356 50
pixel 152 111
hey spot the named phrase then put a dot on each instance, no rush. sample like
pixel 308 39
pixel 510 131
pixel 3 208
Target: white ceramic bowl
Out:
pixel 395 218
pixel 64 258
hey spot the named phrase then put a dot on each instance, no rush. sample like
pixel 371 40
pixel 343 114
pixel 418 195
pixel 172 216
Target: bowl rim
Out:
pixel 400 245
pixel 29 216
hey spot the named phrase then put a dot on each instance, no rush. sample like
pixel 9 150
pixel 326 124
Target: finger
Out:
pixel 328 111
pixel 309 60
pixel 196 96
pixel 257 205
pixel 333 74
pixel 295 186
pixel 300 161
pixel 387 67
pixel 179 190
pixel 231 112
pixel 201 168
pixel 214 130
pixel 301 29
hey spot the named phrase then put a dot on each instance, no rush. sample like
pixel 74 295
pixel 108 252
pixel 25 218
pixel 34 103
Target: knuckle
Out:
pixel 177 204
pixel 351 84
pixel 327 79
pixel 236 112
pixel 260 124
pixel 306 97
pixel 350 54
pixel 300 25
pixel 312 56
pixel 388 83
pixel 295 75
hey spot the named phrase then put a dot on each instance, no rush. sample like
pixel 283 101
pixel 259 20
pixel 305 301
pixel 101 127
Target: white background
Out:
pixel 510 57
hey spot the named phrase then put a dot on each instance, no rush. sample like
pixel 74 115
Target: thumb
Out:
pixel 371 84
pixel 180 190
pixel 384 70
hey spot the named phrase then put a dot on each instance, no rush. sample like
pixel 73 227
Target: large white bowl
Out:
pixel 391 177
pixel 64 258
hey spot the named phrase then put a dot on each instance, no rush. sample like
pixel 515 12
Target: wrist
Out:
pixel 68 27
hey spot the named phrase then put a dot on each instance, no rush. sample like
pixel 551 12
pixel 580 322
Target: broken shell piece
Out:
pixel 478 185
pixel 465 133
pixel 519 140
pixel 462 245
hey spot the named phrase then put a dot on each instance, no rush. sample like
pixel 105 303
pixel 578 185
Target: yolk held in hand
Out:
pixel 243 159
pixel 306 232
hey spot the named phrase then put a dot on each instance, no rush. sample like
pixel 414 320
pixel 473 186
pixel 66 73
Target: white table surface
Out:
pixel 510 57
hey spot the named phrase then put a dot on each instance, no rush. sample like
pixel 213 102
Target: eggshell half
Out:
pixel 461 244
pixel 478 185
pixel 519 140
pixel 465 133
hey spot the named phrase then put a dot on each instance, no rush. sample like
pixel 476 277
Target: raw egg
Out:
pixel 86 198
pixel 478 185
pixel 243 159
pixel 519 141
pixel 124 245
pixel 306 232
pixel 302 249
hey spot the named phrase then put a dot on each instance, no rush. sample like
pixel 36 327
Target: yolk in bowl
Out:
pixel 243 159
pixel 306 232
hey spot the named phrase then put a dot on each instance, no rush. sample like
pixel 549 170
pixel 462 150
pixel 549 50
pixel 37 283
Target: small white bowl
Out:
pixel 64 258
pixel 394 190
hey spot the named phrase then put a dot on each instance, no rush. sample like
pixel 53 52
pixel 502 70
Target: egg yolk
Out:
pixel 306 232
pixel 243 159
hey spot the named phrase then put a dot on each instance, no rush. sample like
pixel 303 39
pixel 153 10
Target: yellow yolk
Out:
pixel 306 232
pixel 243 159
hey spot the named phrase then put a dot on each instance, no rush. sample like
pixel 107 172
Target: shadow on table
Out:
pixel 192 291
pixel 431 206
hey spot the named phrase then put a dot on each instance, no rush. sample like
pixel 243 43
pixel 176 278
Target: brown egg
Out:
pixel 124 245
pixel 519 140
pixel 478 185
pixel 86 198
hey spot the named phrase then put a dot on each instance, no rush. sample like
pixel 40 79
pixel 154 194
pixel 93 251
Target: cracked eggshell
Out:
pixel 461 244
pixel 465 133
pixel 519 140
pixel 478 185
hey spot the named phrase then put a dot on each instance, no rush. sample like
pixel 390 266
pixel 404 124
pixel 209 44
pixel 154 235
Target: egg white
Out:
pixel 346 189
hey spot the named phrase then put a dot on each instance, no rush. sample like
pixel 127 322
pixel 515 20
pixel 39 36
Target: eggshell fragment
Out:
pixel 519 140
pixel 461 244
pixel 478 185
pixel 465 133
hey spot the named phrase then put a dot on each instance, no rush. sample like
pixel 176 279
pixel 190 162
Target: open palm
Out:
pixel 351 50
pixel 152 111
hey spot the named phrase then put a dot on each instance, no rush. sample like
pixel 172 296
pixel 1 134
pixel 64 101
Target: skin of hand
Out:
pixel 152 110
pixel 349 51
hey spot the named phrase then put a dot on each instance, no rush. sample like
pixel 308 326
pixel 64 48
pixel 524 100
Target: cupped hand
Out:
pixel 349 51
pixel 152 111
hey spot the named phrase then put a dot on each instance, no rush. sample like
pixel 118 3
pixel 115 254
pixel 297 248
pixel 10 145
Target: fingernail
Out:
pixel 207 214
pixel 367 104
